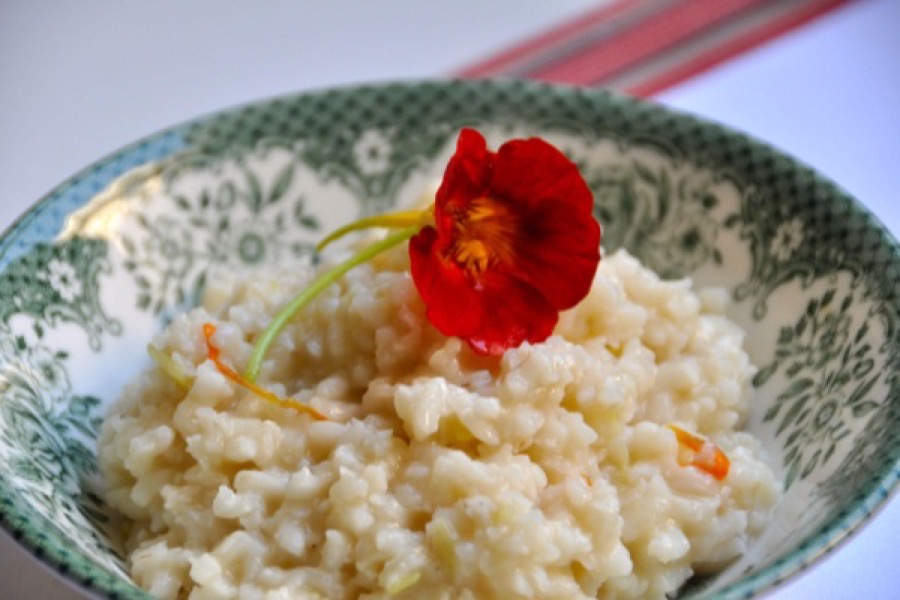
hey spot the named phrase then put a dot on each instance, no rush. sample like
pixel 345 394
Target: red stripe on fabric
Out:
pixel 542 43
pixel 657 33
pixel 733 47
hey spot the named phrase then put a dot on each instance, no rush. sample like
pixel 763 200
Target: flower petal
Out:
pixel 466 177
pixel 559 248
pixel 441 283
pixel 512 313
pixel 494 314
pixel 532 171
pixel 560 254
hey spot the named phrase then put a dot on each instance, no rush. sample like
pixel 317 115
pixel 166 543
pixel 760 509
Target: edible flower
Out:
pixel 514 242
pixel 509 242
pixel 704 454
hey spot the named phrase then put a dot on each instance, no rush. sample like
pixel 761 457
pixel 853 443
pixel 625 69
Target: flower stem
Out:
pixel 215 355
pixel 406 218
pixel 308 294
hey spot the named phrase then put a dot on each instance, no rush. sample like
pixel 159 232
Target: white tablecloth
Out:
pixel 81 79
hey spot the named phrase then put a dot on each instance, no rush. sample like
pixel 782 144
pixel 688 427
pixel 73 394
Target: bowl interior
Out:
pixel 102 263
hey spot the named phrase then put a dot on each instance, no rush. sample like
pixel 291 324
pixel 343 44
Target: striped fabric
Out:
pixel 641 47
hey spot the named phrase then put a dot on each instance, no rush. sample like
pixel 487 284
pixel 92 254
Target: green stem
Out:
pixel 307 295
pixel 406 218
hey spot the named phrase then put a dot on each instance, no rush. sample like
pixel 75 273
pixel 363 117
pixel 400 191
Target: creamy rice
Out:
pixel 547 473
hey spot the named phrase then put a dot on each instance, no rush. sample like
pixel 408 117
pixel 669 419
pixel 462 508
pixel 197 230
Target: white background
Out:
pixel 79 80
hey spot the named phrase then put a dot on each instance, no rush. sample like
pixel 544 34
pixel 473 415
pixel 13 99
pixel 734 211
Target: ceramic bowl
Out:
pixel 95 268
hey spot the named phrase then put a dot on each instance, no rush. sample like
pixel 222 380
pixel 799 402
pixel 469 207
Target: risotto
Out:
pixel 549 472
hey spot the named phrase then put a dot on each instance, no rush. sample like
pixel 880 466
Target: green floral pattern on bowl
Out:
pixel 99 265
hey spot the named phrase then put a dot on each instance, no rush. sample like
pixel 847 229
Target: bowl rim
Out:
pixel 76 570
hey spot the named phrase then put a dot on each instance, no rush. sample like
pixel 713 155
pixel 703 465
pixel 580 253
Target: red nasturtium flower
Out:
pixel 510 243
pixel 514 242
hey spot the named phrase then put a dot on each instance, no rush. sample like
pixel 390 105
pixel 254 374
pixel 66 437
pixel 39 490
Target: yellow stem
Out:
pixel 406 218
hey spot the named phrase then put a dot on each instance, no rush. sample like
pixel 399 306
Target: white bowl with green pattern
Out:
pixel 96 267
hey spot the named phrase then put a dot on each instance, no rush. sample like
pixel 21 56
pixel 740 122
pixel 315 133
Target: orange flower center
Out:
pixel 483 236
